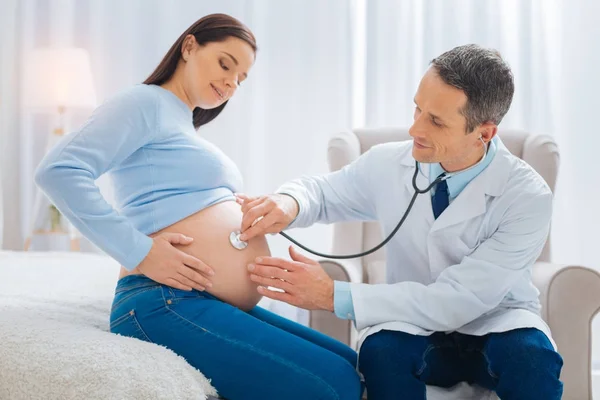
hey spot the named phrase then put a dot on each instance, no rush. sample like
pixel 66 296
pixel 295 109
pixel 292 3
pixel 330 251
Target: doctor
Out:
pixel 459 304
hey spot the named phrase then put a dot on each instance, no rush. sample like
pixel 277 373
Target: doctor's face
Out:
pixel 438 130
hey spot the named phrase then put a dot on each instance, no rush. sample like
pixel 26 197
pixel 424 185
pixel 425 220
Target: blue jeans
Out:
pixel 518 364
pixel 247 355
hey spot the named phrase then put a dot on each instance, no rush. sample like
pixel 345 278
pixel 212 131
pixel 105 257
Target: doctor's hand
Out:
pixel 170 266
pixel 266 214
pixel 304 282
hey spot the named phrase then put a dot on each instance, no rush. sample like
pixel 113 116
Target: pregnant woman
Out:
pixel 182 285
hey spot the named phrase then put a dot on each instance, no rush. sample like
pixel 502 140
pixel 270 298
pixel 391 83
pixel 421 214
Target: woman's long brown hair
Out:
pixel 212 28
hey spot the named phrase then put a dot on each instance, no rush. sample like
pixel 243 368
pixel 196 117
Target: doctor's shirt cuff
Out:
pixel 342 300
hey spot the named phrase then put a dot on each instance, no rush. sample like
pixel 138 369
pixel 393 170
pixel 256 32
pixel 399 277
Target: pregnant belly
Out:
pixel 210 229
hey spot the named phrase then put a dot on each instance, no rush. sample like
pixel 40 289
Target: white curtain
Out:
pixel 322 67
pixel 579 107
pixel 553 47
pixel 9 132
pixel 549 54
pixel 579 139
pixel 275 129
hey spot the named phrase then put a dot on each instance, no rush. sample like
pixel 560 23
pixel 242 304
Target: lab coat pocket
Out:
pixel 471 234
pixel 456 248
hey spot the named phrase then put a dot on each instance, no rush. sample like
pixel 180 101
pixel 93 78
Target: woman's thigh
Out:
pixel 245 357
pixel 306 333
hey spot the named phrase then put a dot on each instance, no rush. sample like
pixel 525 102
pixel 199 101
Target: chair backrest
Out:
pixel 539 151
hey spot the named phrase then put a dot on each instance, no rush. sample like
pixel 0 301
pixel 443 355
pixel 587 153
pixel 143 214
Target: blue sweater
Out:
pixel 161 170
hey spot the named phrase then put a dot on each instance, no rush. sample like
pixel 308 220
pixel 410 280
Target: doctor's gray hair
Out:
pixel 483 76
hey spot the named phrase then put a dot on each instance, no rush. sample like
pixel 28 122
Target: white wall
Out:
pixel 304 85
pixel 9 132
pixel 580 103
pixel 275 129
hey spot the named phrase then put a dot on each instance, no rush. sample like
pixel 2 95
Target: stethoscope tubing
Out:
pixel 418 191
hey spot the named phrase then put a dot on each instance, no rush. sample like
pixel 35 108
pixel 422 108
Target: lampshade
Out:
pixel 59 77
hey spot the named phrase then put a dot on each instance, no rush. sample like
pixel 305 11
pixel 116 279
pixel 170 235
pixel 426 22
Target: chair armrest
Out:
pixel 327 322
pixel 570 298
pixel 344 270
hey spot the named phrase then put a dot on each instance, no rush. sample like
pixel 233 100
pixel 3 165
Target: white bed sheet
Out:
pixel 54 339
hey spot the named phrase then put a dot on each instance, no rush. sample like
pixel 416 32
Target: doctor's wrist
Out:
pixel 292 207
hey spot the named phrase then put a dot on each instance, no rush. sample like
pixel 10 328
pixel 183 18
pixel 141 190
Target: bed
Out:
pixel 54 310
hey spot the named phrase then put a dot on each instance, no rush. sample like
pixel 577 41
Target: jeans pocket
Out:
pixel 128 325
pixel 124 296
pixel 423 365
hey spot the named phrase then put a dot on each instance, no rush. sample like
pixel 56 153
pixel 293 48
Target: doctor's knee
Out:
pixel 526 351
pixel 381 349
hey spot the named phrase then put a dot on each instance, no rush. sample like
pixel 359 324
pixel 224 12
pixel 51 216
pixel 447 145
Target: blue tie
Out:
pixel 440 199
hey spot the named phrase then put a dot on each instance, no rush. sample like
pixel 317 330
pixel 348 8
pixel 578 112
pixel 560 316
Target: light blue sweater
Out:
pixel 161 170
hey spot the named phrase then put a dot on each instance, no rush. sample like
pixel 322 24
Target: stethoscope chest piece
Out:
pixel 234 239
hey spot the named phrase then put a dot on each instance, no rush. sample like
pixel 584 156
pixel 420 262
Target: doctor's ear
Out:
pixel 487 131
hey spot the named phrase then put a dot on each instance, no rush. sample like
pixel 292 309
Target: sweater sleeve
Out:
pixel 67 174
pixel 343 195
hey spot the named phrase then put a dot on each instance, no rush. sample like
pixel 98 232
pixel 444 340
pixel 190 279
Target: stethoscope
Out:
pixel 234 237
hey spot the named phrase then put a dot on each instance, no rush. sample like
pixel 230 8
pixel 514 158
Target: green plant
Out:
pixel 55 218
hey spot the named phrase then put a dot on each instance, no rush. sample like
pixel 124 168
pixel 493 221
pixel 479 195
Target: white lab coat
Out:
pixel 468 271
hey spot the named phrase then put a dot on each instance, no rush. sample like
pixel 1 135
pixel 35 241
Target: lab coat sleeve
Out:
pixel 67 174
pixel 465 291
pixel 343 195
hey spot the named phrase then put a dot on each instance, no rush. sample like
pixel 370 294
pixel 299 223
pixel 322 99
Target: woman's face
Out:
pixel 214 71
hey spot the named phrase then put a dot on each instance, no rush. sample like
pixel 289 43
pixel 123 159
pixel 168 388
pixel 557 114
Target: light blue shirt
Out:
pixel 161 170
pixel 342 299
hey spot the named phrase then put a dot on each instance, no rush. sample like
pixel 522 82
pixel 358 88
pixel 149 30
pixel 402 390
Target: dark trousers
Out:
pixel 519 364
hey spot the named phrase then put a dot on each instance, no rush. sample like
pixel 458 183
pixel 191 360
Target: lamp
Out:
pixel 57 80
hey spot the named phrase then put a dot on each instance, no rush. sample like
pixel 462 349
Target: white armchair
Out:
pixel 570 295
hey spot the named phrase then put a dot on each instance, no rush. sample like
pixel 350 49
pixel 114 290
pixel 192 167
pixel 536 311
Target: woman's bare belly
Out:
pixel 210 229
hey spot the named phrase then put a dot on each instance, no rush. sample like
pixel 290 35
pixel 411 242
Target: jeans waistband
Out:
pixel 139 281
pixel 134 282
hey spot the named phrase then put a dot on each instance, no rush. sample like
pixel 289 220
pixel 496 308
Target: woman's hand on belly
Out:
pixel 170 266
pixel 210 229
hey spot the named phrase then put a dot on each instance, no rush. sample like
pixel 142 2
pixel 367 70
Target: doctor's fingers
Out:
pixel 271 223
pixel 250 203
pixel 277 295
pixel 281 263
pixel 245 201
pixel 253 213
pixel 242 197
pixel 270 272
pixel 272 282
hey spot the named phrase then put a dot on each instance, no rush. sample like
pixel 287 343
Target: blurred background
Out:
pixel 323 66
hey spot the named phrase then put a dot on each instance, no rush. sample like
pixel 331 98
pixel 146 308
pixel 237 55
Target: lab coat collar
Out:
pixel 471 202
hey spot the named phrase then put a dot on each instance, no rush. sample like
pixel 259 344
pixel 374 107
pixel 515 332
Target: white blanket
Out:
pixel 54 339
